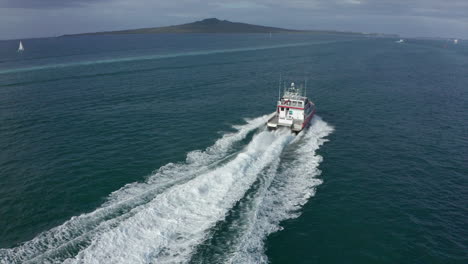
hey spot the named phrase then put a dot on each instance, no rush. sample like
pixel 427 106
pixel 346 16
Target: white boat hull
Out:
pixel 293 110
pixel 297 126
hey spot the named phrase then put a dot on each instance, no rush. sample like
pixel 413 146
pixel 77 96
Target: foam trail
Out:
pixel 63 241
pixel 169 228
pixel 155 57
pixel 282 195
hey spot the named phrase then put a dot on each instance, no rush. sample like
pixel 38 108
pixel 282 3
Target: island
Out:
pixel 214 25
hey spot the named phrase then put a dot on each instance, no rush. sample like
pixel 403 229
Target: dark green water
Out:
pixel 152 149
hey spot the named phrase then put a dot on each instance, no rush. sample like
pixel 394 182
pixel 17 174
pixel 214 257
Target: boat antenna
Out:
pixel 305 89
pixel 279 88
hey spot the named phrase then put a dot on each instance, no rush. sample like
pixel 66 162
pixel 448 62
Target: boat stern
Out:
pixel 273 122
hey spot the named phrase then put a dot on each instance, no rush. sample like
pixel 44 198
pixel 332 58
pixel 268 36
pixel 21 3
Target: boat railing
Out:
pixel 292 103
pixel 294 92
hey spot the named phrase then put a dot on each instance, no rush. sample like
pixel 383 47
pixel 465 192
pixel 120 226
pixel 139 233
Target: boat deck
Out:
pixel 295 126
pixel 273 122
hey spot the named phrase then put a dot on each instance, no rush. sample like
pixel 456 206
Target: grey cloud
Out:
pixel 438 8
pixel 43 4
pixel 410 17
pixel 380 7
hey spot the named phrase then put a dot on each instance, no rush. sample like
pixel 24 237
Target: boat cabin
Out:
pixel 292 106
pixel 293 109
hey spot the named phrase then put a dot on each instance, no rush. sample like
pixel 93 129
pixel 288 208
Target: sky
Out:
pixel 409 18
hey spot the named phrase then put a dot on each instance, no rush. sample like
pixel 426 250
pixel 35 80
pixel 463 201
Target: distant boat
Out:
pixel 400 41
pixel 20 48
pixel 455 41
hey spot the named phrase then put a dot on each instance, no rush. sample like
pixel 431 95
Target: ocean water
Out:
pixel 153 149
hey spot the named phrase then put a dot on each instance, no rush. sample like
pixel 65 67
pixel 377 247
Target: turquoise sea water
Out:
pixel 153 149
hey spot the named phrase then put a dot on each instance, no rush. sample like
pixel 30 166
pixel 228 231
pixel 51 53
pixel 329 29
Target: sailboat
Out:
pixel 20 48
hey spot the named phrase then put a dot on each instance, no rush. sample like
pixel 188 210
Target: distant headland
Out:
pixel 213 25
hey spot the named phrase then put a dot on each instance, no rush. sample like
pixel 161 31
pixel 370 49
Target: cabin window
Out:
pixel 282 108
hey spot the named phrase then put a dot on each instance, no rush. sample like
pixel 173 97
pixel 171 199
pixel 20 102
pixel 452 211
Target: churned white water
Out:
pixel 60 242
pixel 166 218
pixel 169 227
pixel 291 189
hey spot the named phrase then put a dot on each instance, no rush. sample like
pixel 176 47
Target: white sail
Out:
pixel 21 48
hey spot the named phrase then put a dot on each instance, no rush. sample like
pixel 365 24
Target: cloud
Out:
pixel 387 16
pixel 43 4
pixel 240 4
pixel 353 2
pixel 448 8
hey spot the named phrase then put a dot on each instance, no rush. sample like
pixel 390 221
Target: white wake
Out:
pixel 283 194
pixel 166 218
pixel 78 232
pixel 170 227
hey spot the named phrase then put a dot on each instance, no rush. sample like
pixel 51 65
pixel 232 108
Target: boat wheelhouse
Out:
pixel 294 110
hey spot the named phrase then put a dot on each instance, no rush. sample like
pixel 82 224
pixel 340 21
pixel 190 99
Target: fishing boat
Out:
pixel 293 110
pixel 400 41
pixel 20 48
